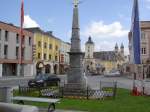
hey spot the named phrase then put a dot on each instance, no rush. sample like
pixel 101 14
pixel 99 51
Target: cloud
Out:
pixel 126 51
pixel 29 22
pixel 104 45
pixel 100 30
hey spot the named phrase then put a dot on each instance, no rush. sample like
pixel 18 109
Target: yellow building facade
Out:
pixel 46 51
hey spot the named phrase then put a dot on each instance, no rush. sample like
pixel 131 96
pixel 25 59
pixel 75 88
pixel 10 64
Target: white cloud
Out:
pixel 126 51
pixel 29 22
pixel 104 45
pixel 98 29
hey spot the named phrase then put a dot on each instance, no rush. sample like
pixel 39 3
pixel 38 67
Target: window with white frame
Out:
pixel 0 50
pixel 143 35
pixel 6 35
pixel 0 33
pixel 17 38
pixel 143 50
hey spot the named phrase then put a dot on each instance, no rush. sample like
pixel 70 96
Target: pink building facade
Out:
pixel 142 71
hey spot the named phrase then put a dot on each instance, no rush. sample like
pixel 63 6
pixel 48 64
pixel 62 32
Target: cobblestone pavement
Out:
pixel 15 81
pixel 93 81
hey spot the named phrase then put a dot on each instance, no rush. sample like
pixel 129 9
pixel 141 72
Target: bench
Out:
pixel 51 102
pixel 9 107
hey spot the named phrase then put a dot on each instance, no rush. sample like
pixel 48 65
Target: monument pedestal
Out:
pixel 75 74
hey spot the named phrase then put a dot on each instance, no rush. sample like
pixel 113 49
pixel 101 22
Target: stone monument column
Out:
pixel 75 74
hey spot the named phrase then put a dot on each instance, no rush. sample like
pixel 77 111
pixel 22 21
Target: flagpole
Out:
pixel 21 35
pixel 136 45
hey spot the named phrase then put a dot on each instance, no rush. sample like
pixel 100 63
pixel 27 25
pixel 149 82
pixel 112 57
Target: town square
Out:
pixel 74 56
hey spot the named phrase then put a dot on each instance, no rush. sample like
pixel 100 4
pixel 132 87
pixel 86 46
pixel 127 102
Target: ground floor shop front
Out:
pixel 15 69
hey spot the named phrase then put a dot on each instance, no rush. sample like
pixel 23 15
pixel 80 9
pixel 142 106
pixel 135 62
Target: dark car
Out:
pixel 43 80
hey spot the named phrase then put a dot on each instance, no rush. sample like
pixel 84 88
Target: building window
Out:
pixel 50 57
pixel 143 35
pixel 56 47
pixel 56 59
pixel 17 52
pixel 143 51
pixel 39 43
pixel 5 50
pixel 0 33
pixel 29 41
pixel 45 56
pixel 50 46
pixel 45 45
pixel 39 55
pixel 6 35
pixel 0 50
pixel 17 38
pixel 23 53
pixel 23 39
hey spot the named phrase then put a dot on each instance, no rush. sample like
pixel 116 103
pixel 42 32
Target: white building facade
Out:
pixel 10 51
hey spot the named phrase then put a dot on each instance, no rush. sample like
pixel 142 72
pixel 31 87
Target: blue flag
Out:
pixel 136 34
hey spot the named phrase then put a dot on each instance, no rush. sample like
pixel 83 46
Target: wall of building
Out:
pixel 10 61
pixel 49 46
pixel 145 42
pixel 89 50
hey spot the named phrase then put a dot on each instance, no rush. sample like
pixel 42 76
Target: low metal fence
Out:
pixel 38 91
pixel 107 89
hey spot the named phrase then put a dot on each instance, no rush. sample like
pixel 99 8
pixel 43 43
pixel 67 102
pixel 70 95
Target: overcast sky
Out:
pixel 107 21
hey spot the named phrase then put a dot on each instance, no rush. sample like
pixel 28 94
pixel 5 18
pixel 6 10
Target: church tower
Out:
pixel 89 48
pixel 116 48
pixel 122 49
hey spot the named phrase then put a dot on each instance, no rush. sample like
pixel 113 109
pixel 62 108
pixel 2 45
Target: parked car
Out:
pixel 43 80
pixel 112 73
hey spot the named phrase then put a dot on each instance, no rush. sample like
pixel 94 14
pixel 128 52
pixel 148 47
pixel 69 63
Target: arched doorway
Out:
pixel 39 67
pixel 55 68
pixel 62 71
pixel 148 72
pixel 47 68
